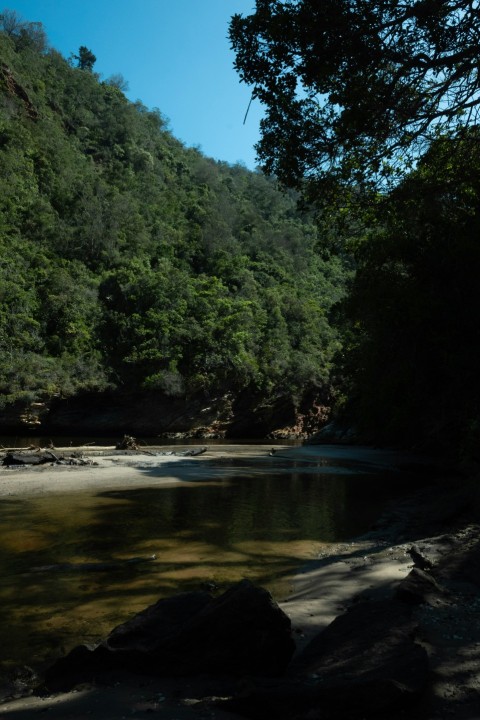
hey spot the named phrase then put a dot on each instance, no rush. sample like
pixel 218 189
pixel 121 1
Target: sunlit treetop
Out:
pixel 355 90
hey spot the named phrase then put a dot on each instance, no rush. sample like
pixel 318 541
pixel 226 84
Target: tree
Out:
pixel 414 341
pixel 118 81
pixel 125 255
pixel 85 59
pixel 355 89
pixel 24 34
pixel 11 22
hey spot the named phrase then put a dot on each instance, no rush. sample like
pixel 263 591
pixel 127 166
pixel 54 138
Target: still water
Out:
pixel 242 519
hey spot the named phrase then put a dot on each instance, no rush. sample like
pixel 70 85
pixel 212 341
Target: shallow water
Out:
pixel 244 518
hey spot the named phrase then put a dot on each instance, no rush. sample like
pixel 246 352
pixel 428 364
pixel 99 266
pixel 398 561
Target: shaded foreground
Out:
pixel 408 644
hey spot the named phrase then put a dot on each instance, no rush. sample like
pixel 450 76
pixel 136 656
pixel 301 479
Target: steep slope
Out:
pixel 132 265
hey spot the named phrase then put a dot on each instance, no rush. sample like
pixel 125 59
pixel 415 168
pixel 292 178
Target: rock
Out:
pixel 333 433
pixel 365 663
pixel 463 562
pixel 17 682
pixel 282 700
pixel 420 560
pixel 154 625
pixel 242 632
pixel 193 415
pixel 471 567
pixel 369 651
pixel 420 587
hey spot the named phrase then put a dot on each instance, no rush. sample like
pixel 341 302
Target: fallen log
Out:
pixel 39 457
pixel 16 458
pixel 20 449
pixel 192 453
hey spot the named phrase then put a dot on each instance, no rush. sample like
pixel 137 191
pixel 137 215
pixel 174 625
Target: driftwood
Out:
pixel 32 448
pixel 33 456
pixel 128 443
pixel 40 458
pixel 192 453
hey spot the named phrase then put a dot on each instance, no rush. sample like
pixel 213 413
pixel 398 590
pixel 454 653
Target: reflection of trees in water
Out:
pixel 117 524
pixel 280 510
pixel 274 508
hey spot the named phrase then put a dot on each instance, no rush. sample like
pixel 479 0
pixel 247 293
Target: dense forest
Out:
pixel 373 114
pixel 130 263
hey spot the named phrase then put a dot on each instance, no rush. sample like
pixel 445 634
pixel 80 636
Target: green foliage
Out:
pixel 373 106
pixel 412 357
pixel 85 59
pixel 129 260
pixel 25 35
pixel 354 89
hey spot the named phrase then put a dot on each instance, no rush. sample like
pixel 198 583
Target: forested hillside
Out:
pixel 129 262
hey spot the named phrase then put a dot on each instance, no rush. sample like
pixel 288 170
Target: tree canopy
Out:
pixel 356 89
pixel 85 58
pixel 412 353
pixel 364 96
pixel 130 261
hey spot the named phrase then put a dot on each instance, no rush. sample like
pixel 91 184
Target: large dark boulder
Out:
pixel 242 632
pixel 147 630
pixel 364 664
pixel 462 563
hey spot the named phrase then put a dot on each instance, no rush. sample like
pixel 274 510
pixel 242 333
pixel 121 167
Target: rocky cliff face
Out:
pixel 152 414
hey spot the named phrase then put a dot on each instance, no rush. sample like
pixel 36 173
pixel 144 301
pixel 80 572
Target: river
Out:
pixel 245 517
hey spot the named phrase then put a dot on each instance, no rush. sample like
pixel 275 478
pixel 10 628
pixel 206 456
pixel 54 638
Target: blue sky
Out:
pixel 175 56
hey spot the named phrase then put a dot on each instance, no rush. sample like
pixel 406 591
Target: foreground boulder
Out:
pixel 242 632
pixel 364 664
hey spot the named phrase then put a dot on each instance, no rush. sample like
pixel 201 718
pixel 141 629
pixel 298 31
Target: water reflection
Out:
pixel 254 523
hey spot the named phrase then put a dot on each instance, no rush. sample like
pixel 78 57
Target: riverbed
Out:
pixel 84 548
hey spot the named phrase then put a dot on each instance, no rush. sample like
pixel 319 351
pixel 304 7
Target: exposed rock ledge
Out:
pixel 245 415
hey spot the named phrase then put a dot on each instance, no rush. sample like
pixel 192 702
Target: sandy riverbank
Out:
pixel 365 569
pixel 110 469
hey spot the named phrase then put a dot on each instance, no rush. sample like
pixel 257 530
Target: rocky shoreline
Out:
pixel 423 560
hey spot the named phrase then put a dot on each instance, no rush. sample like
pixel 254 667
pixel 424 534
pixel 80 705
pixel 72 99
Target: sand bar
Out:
pixel 155 466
